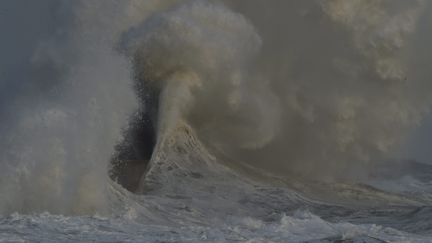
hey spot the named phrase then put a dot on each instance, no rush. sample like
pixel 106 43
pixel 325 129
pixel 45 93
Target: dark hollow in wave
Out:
pixel 133 154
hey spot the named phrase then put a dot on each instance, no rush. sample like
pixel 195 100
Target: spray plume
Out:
pixel 295 87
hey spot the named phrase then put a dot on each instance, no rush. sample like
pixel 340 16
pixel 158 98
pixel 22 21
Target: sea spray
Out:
pixel 327 96
pixel 316 88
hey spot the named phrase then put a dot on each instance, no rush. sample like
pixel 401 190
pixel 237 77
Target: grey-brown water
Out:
pixel 220 121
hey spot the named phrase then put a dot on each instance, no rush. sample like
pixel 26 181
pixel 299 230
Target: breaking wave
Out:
pixel 262 120
pixel 349 96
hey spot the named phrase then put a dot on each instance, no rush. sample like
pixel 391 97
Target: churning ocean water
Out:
pixel 214 121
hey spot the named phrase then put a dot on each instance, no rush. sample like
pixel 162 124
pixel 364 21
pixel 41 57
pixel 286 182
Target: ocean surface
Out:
pixel 191 196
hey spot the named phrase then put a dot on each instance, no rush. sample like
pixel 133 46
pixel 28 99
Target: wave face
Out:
pixel 178 120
